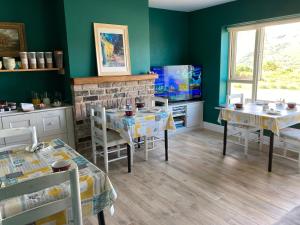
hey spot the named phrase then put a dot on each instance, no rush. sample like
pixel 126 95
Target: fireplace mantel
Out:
pixel 106 79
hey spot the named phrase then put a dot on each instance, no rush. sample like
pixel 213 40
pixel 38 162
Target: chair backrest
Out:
pixel 98 123
pixel 48 209
pixel 235 98
pixel 14 132
pixel 163 101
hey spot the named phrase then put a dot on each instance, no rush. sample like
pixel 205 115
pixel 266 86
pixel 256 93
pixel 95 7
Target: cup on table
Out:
pixel 266 107
pixel 32 60
pixel 291 105
pixel 24 60
pixel 49 60
pixel 0 65
pixel 60 165
pixel 40 60
pixel 238 105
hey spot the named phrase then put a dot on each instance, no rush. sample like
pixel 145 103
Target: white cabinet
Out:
pixel 187 115
pixel 53 122
pixel 1 139
pixel 50 123
pixel 15 121
pixel 194 114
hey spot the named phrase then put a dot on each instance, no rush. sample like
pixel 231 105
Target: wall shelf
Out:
pixel 60 71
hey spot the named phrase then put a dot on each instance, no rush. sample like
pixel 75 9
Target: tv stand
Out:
pixel 188 115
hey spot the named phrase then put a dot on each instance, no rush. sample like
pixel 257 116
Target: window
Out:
pixel 265 61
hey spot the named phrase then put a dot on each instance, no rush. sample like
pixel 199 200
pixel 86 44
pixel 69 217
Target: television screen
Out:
pixel 178 83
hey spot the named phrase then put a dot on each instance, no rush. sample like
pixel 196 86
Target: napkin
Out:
pixel 27 106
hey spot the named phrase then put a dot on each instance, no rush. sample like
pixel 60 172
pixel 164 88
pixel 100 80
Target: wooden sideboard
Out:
pixel 50 123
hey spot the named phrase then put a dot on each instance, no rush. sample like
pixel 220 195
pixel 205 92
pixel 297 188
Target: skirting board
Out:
pixel 213 127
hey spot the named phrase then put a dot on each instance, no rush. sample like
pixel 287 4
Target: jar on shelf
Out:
pixel 32 60
pixel 58 56
pixel 40 60
pixel 49 60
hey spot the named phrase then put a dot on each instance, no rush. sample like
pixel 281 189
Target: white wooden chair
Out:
pixel 291 140
pixel 107 139
pixel 14 132
pixel 48 209
pixel 240 130
pixel 150 142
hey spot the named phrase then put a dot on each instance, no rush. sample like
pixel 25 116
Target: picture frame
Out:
pixel 112 49
pixel 12 39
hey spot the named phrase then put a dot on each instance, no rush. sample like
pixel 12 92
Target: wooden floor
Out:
pixel 199 186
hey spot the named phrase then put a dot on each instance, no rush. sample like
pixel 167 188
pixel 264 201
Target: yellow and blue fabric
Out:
pixel 17 165
pixel 142 124
pixel 255 116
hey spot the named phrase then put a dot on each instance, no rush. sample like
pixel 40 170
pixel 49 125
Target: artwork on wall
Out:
pixel 12 39
pixel 112 49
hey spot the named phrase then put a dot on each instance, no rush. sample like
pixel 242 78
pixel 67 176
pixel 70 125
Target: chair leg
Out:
pixel 261 139
pixel 246 135
pixel 105 154
pixel 284 147
pixel 299 160
pixel 153 142
pixel 94 148
pixel 146 149
pixel 131 153
pixel 119 153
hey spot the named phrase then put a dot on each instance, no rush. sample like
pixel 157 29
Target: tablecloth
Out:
pixel 254 115
pixel 147 124
pixel 17 165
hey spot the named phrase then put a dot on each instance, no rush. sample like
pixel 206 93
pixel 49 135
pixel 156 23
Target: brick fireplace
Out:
pixel 110 92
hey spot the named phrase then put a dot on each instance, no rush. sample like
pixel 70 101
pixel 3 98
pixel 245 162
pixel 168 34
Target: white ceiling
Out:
pixel 185 5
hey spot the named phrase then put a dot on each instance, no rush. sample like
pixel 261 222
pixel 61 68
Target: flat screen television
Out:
pixel 178 83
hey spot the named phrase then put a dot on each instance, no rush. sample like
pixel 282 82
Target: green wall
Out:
pixel 81 14
pixel 169 37
pixel 209 41
pixel 43 33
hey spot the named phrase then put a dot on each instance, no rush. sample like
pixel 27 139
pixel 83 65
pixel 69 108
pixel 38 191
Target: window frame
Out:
pixel 258 53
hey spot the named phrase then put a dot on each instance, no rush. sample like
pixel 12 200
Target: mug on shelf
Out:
pixel 9 63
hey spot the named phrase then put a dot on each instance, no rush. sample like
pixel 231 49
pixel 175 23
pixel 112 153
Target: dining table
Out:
pixel 277 117
pixel 146 122
pixel 17 165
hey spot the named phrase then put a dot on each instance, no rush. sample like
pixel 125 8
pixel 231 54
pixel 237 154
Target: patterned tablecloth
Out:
pixel 254 115
pixel 18 165
pixel 144 123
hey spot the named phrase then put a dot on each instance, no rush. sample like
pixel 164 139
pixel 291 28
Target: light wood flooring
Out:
pixel 199 186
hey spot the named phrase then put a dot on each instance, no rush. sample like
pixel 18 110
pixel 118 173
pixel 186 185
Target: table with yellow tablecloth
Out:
pixel 17 165
pixel 254 115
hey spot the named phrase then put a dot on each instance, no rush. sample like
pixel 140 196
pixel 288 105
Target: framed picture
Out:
pixel 112 49
pixel 12 39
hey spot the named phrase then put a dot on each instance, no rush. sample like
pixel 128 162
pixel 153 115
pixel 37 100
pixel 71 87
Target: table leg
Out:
pixel 271 147
pixel 129 158
pixel 166 145
pixel 139 140
pixel 225 137
pixel 101 220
